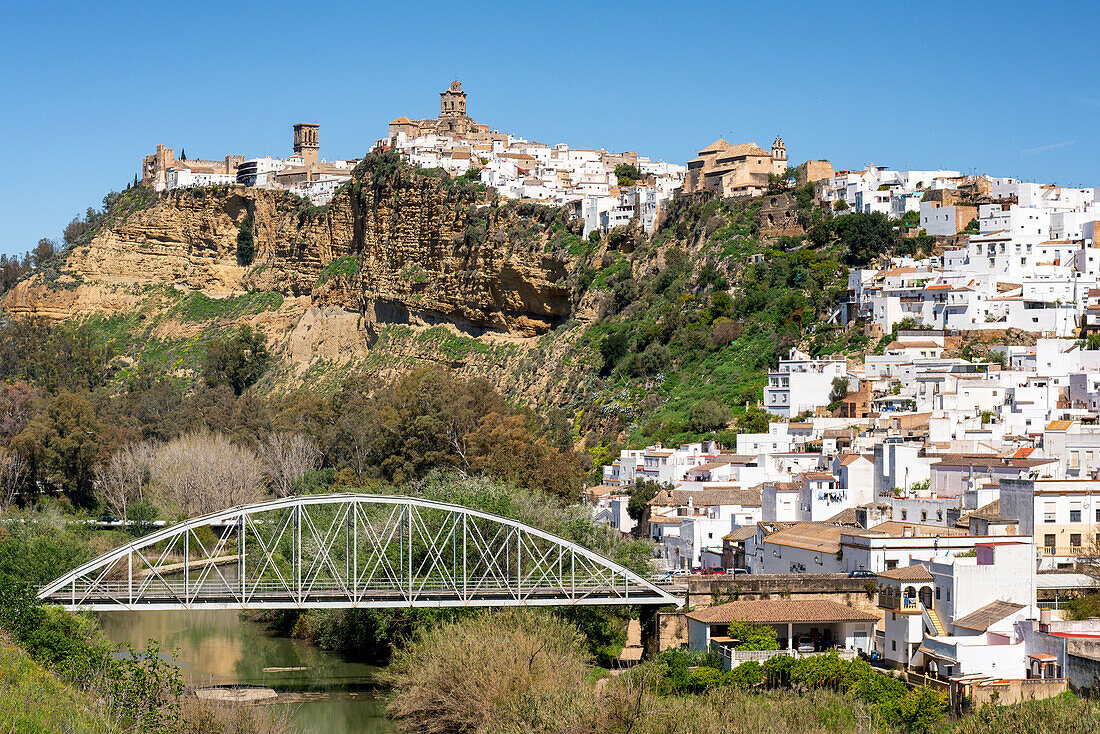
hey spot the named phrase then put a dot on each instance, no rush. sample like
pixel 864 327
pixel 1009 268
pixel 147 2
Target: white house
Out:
pixel 802 383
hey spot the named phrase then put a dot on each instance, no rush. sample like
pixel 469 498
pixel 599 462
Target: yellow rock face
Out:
pixel 396 254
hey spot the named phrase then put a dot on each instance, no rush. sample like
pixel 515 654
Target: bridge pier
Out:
pixel 651 638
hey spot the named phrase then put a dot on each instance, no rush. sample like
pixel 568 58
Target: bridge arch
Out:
pixel 349 550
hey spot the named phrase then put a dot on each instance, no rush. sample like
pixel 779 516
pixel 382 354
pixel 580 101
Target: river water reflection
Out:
pixel 216 647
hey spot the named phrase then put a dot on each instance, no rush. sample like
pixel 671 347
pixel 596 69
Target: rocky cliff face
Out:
pixel 395 248
pixel 403 249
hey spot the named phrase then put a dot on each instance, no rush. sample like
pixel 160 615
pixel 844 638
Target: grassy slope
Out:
pixel 33 700
pixel 133 343
pixel 778 303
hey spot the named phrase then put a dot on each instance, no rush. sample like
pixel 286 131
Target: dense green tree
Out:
pixel 627 174
pixel 613 348
pixel 246 241
pixel 237 360
pixel 62 446
pixel 708 415
pixel 755 420
pixel 44 251
pixel 838 390
pixel 865 236
pixel 641 492
pixel 804 196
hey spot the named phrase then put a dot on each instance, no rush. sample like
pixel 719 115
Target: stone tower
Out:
pixel 779 151
pixel 305 142
pixel 452 103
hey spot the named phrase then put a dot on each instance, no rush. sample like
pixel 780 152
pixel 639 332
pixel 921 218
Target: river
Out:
pixel 330 694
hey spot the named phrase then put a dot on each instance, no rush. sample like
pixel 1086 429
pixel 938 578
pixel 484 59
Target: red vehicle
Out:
pixel 698 571
pixel 716 571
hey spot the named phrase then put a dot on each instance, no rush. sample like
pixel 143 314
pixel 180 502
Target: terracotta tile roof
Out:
pixel 981 619
pixel 599 490
pixel 1059 425
pixel 743 533
pixel 844 517
pixel 815 536
pixel 897 529
pixel 772 611
pixel 990 461
pixel 706 497
pixel 916 572
pixel 839 432
pixel 724 459
pixel 774 526
pixel 717 145
pixel 743 149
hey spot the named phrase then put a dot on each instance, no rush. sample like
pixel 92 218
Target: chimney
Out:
pixel 907 531
pixel 1044 620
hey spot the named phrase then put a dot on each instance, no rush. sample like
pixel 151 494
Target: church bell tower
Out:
pixel 305 142
pixel 452 103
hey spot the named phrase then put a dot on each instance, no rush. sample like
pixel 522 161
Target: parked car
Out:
pixel 805 643
pixel 672 573
pixel 716 571
pixel 862 574
pixel 738 571
pixel 697 571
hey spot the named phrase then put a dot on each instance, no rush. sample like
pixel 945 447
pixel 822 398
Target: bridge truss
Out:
pixel 349 550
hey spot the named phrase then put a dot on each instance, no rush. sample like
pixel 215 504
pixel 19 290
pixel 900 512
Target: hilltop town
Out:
pixel 853 411
pixel 453 142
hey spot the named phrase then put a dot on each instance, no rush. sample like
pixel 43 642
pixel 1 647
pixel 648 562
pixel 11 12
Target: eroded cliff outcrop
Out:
pixel 399 269
pixel 394 246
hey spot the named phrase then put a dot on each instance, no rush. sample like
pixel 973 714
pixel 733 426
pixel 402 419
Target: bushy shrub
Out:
pixel 746 675
pixel 463 675
pixel 708 415
pixel 753 636
pixel 246 241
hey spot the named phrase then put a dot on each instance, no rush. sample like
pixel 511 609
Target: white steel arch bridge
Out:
pixel 349 550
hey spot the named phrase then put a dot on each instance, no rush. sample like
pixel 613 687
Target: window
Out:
pixel 891 565
pixel 949 595
pixel 1049 512
pixel 923 515
pixel 937 592
pixel 904 514
pixel 939 515
pixel 1075 540
pixel 1048 542
pixel 894 645
pixel 1075 516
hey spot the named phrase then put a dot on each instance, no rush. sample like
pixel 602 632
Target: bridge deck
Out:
pixel 171 596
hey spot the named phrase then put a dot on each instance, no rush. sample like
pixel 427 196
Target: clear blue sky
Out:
pixel 1008 88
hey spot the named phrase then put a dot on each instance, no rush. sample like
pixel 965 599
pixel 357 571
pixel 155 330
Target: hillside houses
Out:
pixel 517 168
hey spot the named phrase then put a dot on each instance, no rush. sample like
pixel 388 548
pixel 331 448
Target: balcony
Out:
pixel 900 604
pixel 1069 551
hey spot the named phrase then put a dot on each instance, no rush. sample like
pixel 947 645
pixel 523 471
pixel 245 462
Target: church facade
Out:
pixel 452 119
pixel 735 170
